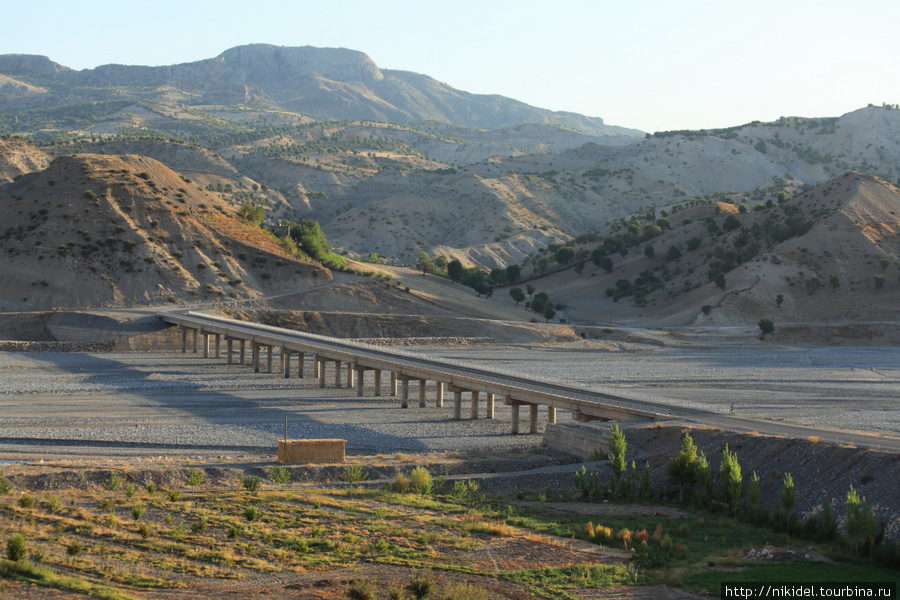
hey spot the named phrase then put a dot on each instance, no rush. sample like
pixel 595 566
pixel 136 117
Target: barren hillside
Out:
pixel 94 230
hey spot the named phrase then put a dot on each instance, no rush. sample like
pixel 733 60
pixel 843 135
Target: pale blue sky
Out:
pixel 651 64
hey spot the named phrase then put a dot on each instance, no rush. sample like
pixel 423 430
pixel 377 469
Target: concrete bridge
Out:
pixel 349 362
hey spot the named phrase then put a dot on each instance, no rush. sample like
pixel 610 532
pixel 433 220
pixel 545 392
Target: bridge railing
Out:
pixel 501 378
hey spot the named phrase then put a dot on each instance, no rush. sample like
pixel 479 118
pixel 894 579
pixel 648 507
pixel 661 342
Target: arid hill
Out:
pixel 832 254
pixel 95 230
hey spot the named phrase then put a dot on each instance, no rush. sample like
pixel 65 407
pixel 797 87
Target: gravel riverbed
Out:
pixel 160 404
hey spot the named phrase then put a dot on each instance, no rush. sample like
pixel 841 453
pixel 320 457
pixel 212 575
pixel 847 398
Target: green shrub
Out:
pixel 113 482
pixel 137 512
pixel 15 548
pixel 26 501
pixel 5 486
pixel 280 475
pixel 355 474
pixel 250 483
pixel 251 513
pixel 421 584
pixel 420 480
pixel 199 526
pixel 362 589
pixel 52 503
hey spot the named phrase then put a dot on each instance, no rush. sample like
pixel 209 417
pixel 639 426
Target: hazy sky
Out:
pixel 652 64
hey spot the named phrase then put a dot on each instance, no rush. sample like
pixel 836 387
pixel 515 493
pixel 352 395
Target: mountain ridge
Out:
pixel 331 82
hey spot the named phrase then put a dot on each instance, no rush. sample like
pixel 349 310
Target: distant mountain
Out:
pixel 332 83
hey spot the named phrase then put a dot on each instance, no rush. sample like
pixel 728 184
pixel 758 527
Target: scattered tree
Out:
pixel 861 527
pixel 616 455
pixel 549 312
pixel 788 496
pixel 835 283
pixel 731 482
pixel 766 326
pixel 812 284
pixel 879 281
pixel 455 270
pixel 779 300
pixel 517 294
pixel 681 466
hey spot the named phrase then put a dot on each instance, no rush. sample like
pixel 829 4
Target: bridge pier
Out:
pixel 514 407
pixel 360 380
pixel 243 350
pixel 286 362
pixel 269 352
pixel 229 348
pixel 457 401
pixel 350 373
pixel 337 374
pixel 377 382
pixel 514 413
pixel 255 358
pixel 205 335
pixel 490 406
pixel 184 340
pixel 196 339
pixel 421 393
pixel 393 383
pixel 439 394
pixel 551 414
pixel 300 366
pixel 218 340
pixel 320 371
pixel 316 366
pixel 404 394
pixel 476 399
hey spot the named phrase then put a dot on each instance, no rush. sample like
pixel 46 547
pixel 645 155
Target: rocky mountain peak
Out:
pixel 265 63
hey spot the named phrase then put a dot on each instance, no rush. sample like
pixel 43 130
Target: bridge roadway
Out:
pixel 352 360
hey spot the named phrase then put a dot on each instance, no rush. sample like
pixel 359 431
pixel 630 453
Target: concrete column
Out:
pixel 243 350
pixel 350 372
pixel 184 340
pixel 281 360
pixel 551 414
pixel 337 373
pixel 286 362
pixel 300 367
pixel 457 403
pixel 439 394
pixel 377 382
pixel 269 351
pixel 475 401
pixel 404 394
pixel 421 393
pixel 320 370
pixel 317 365
pixel 532 418
pixel 393 384
pixel 218 354
pixel 229 348
pixel 255 357
pixel 196 339
pixel 514 408
pixel 360 380
pixel 490 406
pixel 205 344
